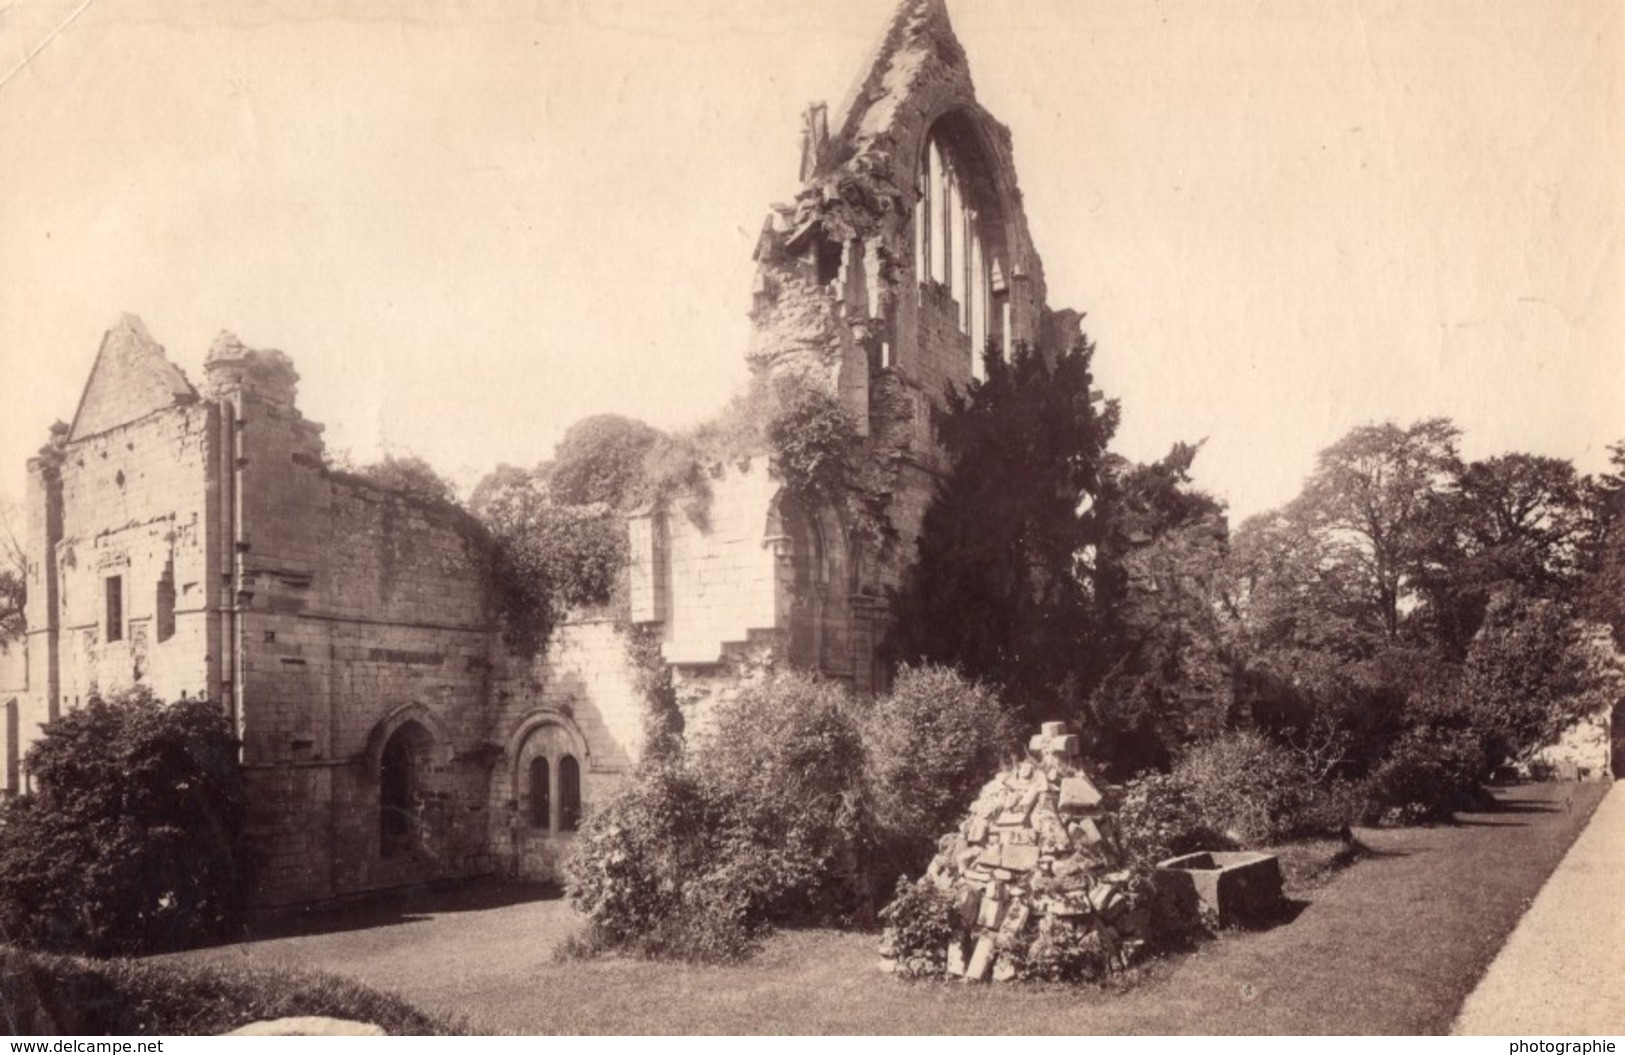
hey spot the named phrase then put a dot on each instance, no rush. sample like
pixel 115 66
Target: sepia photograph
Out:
pixel 867 517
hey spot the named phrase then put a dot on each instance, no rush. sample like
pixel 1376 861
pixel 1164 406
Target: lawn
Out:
pixel 1391 945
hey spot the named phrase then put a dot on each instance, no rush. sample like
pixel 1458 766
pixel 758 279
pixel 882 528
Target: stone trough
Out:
pixel 1239 888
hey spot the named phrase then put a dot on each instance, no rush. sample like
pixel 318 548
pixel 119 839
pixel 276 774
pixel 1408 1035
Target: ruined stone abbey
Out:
pixel 188 535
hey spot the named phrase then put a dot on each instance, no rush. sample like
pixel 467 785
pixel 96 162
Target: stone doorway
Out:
pixel 401 769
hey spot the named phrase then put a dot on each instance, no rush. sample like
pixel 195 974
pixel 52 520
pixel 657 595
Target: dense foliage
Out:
pixel 1422 612
pixel 549 557
pixel 1005 587
pixel 929 746
pixel 129 841
pixel 791 809
pixel 45 994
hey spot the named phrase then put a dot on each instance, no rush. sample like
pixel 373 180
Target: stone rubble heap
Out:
pixel 1037 854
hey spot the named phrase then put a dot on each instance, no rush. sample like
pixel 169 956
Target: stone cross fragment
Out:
pixel 1053 744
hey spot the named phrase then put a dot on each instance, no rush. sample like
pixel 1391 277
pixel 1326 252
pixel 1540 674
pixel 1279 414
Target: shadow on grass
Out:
pixel 387 908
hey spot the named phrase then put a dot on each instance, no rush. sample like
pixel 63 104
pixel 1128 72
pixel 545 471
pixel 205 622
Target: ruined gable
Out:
pixel 903 254
pixel 130 380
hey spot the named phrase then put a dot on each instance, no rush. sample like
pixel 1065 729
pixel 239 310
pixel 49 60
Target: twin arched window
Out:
pixel 542 795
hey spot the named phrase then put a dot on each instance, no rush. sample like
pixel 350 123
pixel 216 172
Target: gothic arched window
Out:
pixel 951 252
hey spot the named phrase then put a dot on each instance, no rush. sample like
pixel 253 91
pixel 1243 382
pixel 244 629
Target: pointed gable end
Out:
pixel 130 380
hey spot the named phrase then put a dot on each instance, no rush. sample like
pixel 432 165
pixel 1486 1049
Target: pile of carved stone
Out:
pixel 1036 858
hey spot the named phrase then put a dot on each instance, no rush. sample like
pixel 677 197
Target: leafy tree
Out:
pixel 1527 676
pixel 601 460
pixel 411 476
pixel 549 557
pixel 129 842
pixel 1602 591
pixel 1372 504
pixel 1510 521
pixel 1169 681
pixel 1005 586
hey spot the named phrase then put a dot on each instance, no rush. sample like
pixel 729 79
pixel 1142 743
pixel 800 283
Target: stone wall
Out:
pixel 135 505
pixel 348 631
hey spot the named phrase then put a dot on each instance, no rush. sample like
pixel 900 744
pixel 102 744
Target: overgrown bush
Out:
pixel 1241 789
pixel 919 925
pixel 129 841
pixel 46 994
pixel 1160 817
pixel 1431 772
pixel 788 752
pixel 653 873
pixel 1250 788
pixel 929 746
pixel 761 822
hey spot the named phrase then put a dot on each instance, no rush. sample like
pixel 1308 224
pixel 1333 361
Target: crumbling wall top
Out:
pixel 131 379
pixel 232 367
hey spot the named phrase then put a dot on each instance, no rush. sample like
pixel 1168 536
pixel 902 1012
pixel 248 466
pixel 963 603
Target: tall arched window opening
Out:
pixel 958 237
pixel 541 794
pixel 569 794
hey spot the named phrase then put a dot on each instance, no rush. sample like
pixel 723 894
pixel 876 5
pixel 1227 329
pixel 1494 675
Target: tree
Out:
pixel 1373 501
pixel 601 460
pixel 1169 680
pixel 409 475
pixel 1005 588
pixel 129 842
pixel 1527 676
pixel 1324 591
pixel 1511 520
pixel 1602 590
pixel 548 557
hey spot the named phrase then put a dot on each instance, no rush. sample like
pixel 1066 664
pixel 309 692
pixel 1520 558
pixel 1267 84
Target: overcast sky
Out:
pixel 471 225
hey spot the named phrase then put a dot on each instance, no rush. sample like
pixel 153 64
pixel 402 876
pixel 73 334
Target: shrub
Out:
pixel 129 844
pixel 44 994
pixel 1061 951
pixel 1161 817
pixel 762 822
pixel 788 755
pixel 1248 787
pixel 1431 772
pixel 929 747
pixel 919 925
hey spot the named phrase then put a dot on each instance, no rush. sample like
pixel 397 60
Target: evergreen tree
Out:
pixel 1007 585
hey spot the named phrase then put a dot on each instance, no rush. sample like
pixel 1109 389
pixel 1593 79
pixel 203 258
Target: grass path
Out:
pixel 1391 946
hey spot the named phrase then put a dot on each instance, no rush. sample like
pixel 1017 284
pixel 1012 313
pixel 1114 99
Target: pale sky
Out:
pixel 472 224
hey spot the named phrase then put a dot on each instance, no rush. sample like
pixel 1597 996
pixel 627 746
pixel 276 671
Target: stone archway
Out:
pixel 402 766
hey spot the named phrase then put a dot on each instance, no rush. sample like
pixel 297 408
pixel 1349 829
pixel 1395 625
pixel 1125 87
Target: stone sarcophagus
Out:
pixel 1233 888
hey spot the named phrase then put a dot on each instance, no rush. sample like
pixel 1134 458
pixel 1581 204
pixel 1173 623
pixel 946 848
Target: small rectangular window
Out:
pixel 115 608
pixel 164 606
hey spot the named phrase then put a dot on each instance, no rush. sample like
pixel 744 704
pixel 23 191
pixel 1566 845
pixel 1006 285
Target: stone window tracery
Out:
pixel 547 778
pixel 953 256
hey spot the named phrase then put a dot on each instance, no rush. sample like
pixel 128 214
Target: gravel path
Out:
pixel 1563 970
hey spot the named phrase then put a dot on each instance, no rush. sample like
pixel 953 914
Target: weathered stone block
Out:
pixel 1079 793
pixel 1237 888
